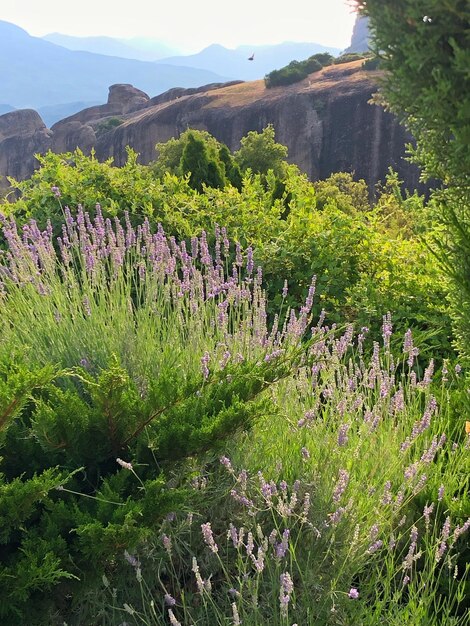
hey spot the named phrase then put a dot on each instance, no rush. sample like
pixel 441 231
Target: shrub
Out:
pixel 347 58
pixel 107 125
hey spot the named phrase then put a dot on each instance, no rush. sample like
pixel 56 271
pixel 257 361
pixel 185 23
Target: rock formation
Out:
pixel 326 121
pixel 360 36
pixel 22 135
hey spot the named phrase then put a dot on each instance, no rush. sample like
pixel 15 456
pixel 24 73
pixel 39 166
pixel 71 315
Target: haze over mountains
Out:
pixel 57 81
pixel 139 48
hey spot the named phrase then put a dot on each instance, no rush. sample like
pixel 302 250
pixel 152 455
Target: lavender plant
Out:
pixel 159 352
pixel 348 506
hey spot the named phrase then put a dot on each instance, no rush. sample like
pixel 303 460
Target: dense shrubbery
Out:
pixel 122 345
pixel 297 70
pixel 350 56
pixel 368 257
pixel 424 49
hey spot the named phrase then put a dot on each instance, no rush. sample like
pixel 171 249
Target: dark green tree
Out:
pixel 232 169
pixel 197 162
pixel 424 48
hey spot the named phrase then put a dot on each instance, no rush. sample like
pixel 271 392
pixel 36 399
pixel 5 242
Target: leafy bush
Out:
pixel 360 252
pixel 107 125
pixel 371 64
pixel 348 57
pixel 324 58
pixel 423 47
pixel 295 71
pixel 349 500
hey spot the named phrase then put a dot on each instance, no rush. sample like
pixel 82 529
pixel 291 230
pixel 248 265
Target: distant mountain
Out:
pixel 235 63
pixel 139 48
pixel 360 36
pixel 35 73
pixel 6 108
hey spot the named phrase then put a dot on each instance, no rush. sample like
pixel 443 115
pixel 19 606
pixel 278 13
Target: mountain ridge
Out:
pixel 36 73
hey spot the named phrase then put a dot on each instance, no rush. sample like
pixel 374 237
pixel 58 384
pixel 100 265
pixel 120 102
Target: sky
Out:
pixel 189 25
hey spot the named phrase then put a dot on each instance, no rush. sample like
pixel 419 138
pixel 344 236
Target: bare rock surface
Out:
pixel 22 135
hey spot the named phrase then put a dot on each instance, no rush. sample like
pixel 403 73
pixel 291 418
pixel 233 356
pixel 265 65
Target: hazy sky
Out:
pixel 189 25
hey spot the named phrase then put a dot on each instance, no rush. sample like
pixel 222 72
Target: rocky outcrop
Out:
pixel 360 36
pixel 326 121
pixel 22 135
pixel 69 135
pixel 122 100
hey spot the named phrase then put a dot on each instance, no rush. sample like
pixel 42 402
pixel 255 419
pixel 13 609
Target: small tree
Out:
pixel 260 153
pixel 197 162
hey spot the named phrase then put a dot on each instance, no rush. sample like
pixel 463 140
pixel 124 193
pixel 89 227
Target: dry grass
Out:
pixel 340 76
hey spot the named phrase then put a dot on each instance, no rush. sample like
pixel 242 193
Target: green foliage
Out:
pixel 297 70
pixel 196 162
pixel 324 58
pixel 107 125
pixel 260 152
pixel 296 227
pixel 128 343
pixel 348 57
pixel 424 49
pixel 371 64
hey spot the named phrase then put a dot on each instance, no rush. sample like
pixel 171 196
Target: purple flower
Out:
pixel 445 532
pixel 169 600
pixel 343 435
pixel 353 593
pixel 225 461
pixel 124 464
pixel 56 191
pixel 440 493
pixel 284 289
pixel 208 537
pixel 204 365
pixel 387 329
pixel 341 485
pixel 285 592
pixel 283 546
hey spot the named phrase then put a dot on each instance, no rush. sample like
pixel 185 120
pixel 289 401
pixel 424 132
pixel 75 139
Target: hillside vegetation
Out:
pixel 229 395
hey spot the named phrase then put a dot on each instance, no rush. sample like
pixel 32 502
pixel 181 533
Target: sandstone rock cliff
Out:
pixel 326 121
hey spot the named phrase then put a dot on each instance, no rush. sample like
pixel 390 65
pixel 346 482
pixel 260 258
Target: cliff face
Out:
pixel 325 121
pixel 360 35
pixel 22 135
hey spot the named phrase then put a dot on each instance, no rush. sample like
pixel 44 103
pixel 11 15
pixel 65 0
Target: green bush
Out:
pixel 371 64
pixel 107 125
pixel 347 58
pixel 324 58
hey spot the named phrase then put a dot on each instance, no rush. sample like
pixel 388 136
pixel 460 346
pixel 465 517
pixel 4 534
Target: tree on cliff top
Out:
pixel 424 47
